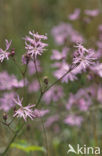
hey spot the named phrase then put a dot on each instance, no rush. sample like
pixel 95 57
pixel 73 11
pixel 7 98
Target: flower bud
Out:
pixel 5 116
pixel 45 79
pixel 12 53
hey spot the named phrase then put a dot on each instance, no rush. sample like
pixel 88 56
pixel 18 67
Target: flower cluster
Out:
pixel 34 45
pixel 4 54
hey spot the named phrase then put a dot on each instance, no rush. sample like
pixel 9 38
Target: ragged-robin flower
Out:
pixel 4 54
pixel 74 15
pixel 34 45
pixel 84 57
pixel 23 112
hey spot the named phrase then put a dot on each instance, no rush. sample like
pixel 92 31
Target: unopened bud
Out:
pixel 45 80
pixel 12 53
pixel 5 116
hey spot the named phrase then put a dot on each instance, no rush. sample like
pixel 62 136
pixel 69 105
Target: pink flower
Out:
pixel 34 44
pixel 8 82
pixel 64 68
pixel 40 113
pixel 6 101
pixel 59 55
pixel 4 54
pixel 84 57
pixel 23 112
pixel 51 120
pixel 97 69
pixel 53 94
pixel 92 13
pixel 73 120
pixel 81 99
pixel 64 32
pixel 74 15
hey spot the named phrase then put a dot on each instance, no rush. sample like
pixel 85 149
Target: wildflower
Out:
pixel 74 15
pixel 34 44
pixel 97 69
pixel 4 54
pixel 81 99
pixel 84 57
pixel 92 13
pixel 6 101
pixel 59 55
pixel 23 112
pixel 65 32
pixel 73 120
pixel 63 69
pixel 40 113
pixel 8 82
pixel 50 120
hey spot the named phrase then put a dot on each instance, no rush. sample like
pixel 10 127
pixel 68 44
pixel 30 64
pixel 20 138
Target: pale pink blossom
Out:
pixel 6 101
pixel 73 120
pixel 97 69
pixel 63 69
pixel 34 45
pixel 51 120
pixel 4 54
pixel 84 57
pixel 8 82
pixel 23 111
pixel 59 55
pixel 40 113
pixel 74 15
pixel 92 13
pixel 64 32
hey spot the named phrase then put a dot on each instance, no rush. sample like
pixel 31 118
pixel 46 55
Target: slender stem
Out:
pixel 57 80
pixel 12 140
pixel 37 74
pixel 45 135
pixel 6 124
pixel 42 93
pixel 14 60
pixel 23 75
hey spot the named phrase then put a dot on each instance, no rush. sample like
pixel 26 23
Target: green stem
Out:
pixel 54 83
pixel 12 140
pixel 37 74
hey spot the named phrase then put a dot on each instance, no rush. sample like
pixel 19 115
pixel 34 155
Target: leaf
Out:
pixel 24 146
